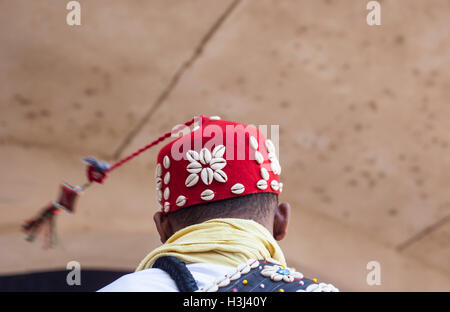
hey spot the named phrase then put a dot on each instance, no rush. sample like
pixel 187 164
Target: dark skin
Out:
pixel 276 222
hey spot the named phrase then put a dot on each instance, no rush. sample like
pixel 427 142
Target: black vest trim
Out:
pixel 178 272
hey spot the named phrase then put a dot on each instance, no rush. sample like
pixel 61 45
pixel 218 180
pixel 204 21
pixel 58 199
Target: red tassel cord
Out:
pixel 46 219
pixel 96 172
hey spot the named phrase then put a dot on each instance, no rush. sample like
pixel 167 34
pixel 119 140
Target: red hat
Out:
pixel 219 159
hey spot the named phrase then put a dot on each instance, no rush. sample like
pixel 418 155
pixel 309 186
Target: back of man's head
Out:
pixel 257 207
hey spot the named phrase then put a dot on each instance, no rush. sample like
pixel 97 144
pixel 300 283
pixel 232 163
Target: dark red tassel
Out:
pixel 45 220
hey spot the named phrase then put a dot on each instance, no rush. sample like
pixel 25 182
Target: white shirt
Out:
pixel 152 280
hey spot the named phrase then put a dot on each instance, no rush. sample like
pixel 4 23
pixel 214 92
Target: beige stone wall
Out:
pixel 363 114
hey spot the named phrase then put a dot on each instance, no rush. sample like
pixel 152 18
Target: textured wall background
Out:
pixel 363 114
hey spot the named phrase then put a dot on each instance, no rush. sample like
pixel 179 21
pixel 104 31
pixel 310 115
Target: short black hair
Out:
pixel 252 206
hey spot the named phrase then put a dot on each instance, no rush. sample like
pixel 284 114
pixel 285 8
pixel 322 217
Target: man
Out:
pixel 218 190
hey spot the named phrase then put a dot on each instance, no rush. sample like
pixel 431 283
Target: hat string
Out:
pixel 158 140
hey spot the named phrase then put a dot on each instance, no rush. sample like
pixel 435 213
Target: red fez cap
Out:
pixel 219 159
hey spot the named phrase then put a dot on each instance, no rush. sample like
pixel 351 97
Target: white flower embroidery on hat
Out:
pixel 208 164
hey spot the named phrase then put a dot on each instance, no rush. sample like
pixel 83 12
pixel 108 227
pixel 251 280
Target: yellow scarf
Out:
pixel 225 241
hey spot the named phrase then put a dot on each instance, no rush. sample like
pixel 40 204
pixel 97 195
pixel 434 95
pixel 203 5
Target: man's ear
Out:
pixel 281 220
pixel 163 226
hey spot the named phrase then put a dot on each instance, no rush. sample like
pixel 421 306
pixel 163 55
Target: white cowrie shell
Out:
pixel 205 156
pixel 191 180
pixel 220 176
pixel 158 172
pixel 253 142
pixel 166 162
pixel 264 173
pixel 259 158
pixel 278 169
pixel 245 269
pixel 312 288
pixel 167 178
pixel 253 263
pixel 235 276
pixel 207 175
pixel 223 283
pixel 297 274
pixel 181 200
pixel 288 279
pixel 261 184
pixel 192 156
pixel 213 288
pixel 194 167
pixel 207 195
pixel 269 145
pixel 266 272
pixel 276 277
pixel 166 207
pixel 166 193
pixel 217 163
pixel 238 188
pixel 275 166
pixel 274 185
pixel 214 118
pixel 218 151
pixel 220 279
pixel 271 156
pixel 159 195
pixel 281 186
pixel 158 183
